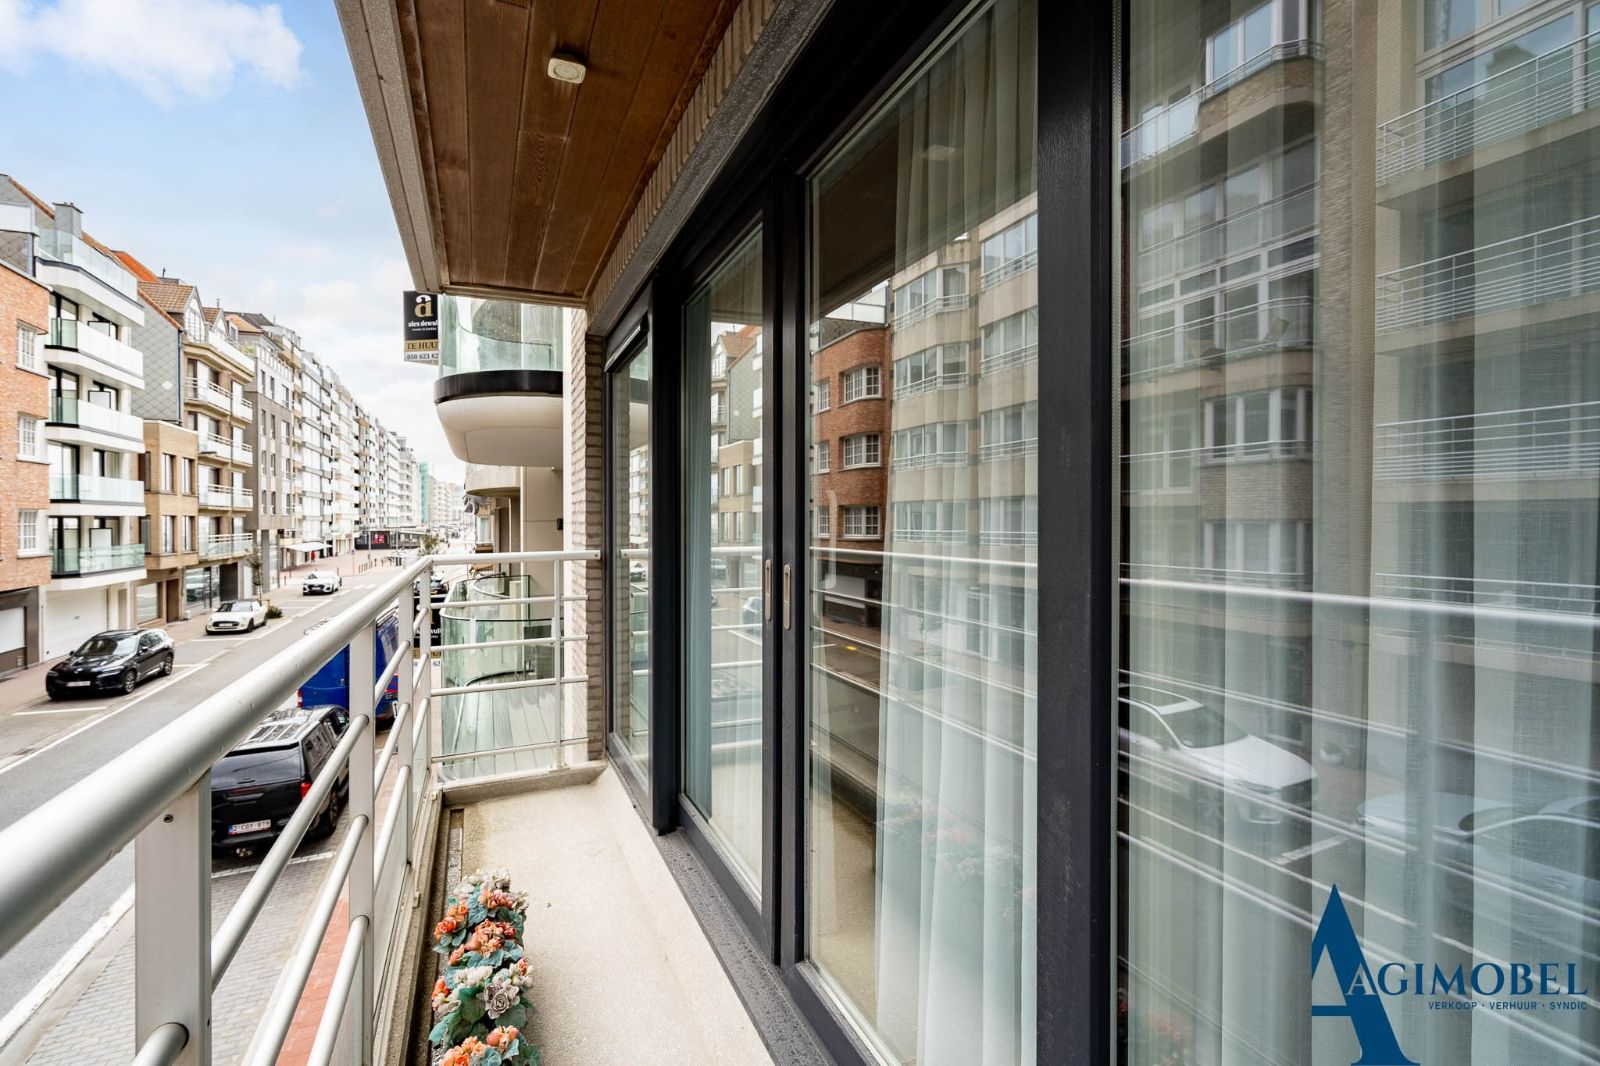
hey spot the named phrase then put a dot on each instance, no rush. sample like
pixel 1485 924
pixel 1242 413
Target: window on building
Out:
pixel 169 464
pixel 935 444
pixel 188 533
pixel 28 539
pixel 1262 423
pixel 861 521
pixel 863 383
pixel 821 457
pixel 1008 520
pixel 1012 340
pixel 861 449
pixel 942 521
pixel 27 348
pixel 943 366
pixel 824 522
pixel 820 394
pixel 1010 431
pixel 1011 251
pixel 28 440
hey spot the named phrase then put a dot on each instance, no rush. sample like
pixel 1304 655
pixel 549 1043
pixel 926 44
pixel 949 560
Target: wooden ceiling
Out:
pixel 528 180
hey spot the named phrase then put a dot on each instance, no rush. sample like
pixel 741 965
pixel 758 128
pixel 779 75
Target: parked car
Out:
pixel 330 685
pixel 257 787
pixel 113 661
pixel 438 593
pixel 234 615
pixel 320 581
pixel 1212 765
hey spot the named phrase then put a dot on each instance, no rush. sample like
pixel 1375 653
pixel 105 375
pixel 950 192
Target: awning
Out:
pixel 306 546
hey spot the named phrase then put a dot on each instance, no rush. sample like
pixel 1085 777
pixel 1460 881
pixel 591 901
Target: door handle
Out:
pixel 766 590
pixel 788 589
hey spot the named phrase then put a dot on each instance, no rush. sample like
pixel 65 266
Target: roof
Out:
pixel 24 190
pixel 140 271
pixel 169 294
pixel 737 344
pixel 211 314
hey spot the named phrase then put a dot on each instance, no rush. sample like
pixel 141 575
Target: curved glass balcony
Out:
pixel 477 334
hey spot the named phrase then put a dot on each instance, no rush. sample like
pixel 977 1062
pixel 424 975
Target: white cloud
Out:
pixel 165 48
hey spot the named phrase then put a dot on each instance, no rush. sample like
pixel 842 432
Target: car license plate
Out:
pixel 77 684
pixel 248 827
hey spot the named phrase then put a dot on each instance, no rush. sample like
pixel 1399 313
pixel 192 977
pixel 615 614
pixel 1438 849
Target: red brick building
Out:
pixel 849 463
pixel 24 470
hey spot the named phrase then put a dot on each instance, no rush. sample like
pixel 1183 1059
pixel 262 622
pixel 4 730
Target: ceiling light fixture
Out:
pixel 567 68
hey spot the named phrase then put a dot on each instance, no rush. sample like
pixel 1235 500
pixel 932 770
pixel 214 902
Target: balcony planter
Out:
pixel 481 1001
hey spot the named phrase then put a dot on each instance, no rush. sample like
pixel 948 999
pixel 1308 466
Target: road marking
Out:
pixel 60 710
pixel 29 1004
pixel 178 674
pixel 1309 850
pixel 321 856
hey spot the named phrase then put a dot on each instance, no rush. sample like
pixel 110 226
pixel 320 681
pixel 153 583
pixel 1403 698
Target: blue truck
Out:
pixel 330 685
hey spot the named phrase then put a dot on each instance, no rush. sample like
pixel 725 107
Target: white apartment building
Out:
pixel 91 439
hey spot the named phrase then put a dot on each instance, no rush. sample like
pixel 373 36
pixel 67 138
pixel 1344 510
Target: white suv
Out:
pixel 319 581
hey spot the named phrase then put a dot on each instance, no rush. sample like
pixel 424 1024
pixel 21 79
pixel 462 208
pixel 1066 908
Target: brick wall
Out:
pixel 23 302
pixel 584 520
pixel 840 487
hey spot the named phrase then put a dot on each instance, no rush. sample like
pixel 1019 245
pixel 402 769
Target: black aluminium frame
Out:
pixel 838 79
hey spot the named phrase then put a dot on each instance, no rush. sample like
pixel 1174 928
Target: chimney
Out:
pixel 69 218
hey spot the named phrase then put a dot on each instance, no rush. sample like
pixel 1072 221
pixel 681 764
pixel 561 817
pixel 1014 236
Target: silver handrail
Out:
pixel 162 789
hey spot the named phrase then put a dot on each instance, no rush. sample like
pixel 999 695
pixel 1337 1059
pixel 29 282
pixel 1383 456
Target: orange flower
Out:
pixel 454 1057
pixel 455 956
pixel 502 1037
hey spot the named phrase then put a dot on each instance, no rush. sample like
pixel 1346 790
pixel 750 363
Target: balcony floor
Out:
pixel 625 973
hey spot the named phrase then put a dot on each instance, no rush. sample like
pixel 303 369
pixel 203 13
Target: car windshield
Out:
pixel 236 606
pixel 104 645
pixel 255 767
pixel 1201 727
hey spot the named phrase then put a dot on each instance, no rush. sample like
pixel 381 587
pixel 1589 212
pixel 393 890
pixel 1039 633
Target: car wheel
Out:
pixel 129 680
pixel 166 666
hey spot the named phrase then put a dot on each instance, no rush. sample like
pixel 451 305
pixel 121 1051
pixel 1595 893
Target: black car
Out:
pixel 113 661
pixel 256 787
pixel 438 593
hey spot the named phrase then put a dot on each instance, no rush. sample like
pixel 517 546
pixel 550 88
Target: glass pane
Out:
pixel 922 612
pixel 722 585
pixel 1358 721
pixel 630 546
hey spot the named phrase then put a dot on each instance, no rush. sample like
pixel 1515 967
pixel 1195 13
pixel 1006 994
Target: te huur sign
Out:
pixel 422 327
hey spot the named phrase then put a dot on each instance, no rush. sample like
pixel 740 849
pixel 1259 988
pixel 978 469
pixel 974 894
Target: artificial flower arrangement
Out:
pixel 481 1003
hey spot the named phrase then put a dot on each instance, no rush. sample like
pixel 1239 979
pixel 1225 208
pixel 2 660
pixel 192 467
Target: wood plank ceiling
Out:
pixel 529 179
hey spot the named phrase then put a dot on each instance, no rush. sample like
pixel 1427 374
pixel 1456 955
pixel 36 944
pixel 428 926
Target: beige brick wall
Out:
pixel 585 526
pixel 26 486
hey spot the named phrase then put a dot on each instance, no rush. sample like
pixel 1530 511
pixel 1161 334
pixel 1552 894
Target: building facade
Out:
pixel 270 479
pixel 24 407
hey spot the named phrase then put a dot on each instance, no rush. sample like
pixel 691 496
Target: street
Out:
pixel 47 746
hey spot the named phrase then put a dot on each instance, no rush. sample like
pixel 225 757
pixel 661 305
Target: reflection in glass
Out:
pixel 1361 487
pixel 723 420
pixel 630 553
pixel 923 587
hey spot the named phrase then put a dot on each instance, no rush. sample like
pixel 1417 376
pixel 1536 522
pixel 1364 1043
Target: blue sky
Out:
pixel 224 142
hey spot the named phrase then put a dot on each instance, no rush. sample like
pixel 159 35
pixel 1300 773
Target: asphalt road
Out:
pixel 45 747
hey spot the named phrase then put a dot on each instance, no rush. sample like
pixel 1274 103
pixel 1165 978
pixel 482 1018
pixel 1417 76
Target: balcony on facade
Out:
pixel 66 262
pixel 225 545
pixel 499 389
pixel 1490 592
pixel 212 395
pixel 79 345
pixel 1535 268
pixel 219 447
pixel 1278 325
pixel 226 497
pixel 85 414
pixel 1532 94
pixel 86 488
pixel 73 561
pixel 1559 440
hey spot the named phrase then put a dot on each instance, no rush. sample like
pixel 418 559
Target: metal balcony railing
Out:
pixel 75 411
pixel 71 561
pixel 956 301
pixel 1557 596
pixel 76 336
pixel 212 444
pixel 1534 93
pixel 1535 268
pixel 1278 579
pixel 1009 269
pixel 1180 120
pixel 162 810
pixel 88 488
pixel 63 246
pixel 1279 219
pixel 1273 325
pixel 1556 439
pixel 223 545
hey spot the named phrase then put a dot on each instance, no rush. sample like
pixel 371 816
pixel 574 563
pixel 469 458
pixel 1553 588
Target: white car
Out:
pixel 1208 762
pixel 237 616
pixel 320 581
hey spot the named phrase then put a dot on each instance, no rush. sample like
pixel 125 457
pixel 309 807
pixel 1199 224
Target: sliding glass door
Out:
pixel 920 702
pixel 632 517
pixel 723 562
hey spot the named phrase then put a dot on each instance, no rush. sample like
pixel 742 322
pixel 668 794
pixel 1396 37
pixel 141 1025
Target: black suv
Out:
pixel 256 787
pixel 113 661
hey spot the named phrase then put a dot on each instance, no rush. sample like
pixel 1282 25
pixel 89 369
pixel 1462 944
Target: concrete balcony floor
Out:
pixel 625 974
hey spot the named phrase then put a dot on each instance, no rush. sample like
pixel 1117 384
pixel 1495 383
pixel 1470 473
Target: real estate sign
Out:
pixel 422 327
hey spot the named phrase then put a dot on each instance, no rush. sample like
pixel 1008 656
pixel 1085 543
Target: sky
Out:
pixel 224 142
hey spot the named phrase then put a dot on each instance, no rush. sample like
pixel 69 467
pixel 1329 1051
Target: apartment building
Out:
pixel 314 443
pixel 271 521
pixel 24 408
pixel 346 506
pixel 91 439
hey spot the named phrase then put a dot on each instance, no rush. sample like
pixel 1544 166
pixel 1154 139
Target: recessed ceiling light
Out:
pixel 566 68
